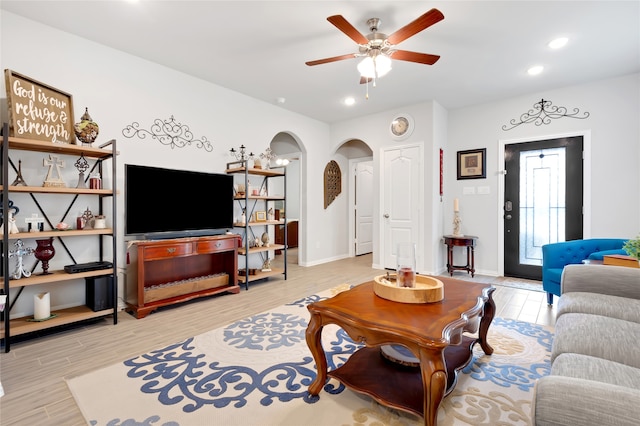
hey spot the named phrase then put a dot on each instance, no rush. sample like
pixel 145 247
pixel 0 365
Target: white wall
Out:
pixel 120 89
pixel 614 108
pixel 430 131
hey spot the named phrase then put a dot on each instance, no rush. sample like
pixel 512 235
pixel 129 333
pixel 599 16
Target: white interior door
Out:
pixel 402 185
pixel 364 207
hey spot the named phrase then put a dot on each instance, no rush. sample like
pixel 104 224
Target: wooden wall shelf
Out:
pixel 22 325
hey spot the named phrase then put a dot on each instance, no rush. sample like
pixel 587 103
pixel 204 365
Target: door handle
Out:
pixel 508 206
pixel 386 215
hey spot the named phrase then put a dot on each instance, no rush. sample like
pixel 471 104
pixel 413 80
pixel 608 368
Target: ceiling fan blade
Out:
pixel 364 80
pixel 343 25
pixel 421 58
pixel 332 59
pixel 425 21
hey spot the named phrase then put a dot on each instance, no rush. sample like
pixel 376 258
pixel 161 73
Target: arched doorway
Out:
pixel 360 177
pixel 285 147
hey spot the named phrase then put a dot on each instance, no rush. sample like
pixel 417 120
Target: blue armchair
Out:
pixel 556 256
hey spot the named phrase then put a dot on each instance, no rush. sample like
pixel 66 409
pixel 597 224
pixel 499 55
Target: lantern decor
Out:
pixel 86 130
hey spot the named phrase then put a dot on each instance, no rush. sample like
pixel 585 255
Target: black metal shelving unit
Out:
pixel 252 204
pixel 13 288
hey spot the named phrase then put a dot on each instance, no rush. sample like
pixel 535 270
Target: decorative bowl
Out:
pixel 427 289
pixel 62 226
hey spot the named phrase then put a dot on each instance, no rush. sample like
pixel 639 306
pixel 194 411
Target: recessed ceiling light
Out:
pixel 535 70
pixel 349 101
pixel 558 43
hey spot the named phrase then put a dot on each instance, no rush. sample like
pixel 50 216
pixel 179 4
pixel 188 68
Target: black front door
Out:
pixel 543 201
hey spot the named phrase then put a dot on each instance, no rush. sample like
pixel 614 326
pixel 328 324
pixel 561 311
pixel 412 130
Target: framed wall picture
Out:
pixel 261 216
pixel 472 164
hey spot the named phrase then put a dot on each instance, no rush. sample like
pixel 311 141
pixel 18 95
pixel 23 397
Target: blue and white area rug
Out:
pixel 256 371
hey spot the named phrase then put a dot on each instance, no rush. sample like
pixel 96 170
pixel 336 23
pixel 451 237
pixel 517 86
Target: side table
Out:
pixel 468 241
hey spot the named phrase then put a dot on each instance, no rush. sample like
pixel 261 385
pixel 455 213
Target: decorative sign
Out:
pixel 38 111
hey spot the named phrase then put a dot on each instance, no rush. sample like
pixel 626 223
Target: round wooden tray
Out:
pixel 427 289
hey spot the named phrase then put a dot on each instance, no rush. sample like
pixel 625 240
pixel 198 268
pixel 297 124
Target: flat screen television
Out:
pixel 170 203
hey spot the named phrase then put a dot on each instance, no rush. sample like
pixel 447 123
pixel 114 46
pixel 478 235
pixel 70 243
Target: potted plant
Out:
pixel 632 247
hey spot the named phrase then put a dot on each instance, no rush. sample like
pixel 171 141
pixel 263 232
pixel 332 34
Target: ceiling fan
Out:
pixel 377 49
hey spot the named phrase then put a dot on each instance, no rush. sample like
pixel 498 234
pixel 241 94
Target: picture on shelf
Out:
pixel 261 216
pixel 56 127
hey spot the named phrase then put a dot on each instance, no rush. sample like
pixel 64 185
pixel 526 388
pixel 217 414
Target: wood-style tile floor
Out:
pixel 33 373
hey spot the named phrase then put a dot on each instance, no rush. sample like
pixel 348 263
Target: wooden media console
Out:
pixel 165 272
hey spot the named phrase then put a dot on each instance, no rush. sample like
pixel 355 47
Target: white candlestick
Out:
pixel 456 205
pixel 41 306
pixel 456 224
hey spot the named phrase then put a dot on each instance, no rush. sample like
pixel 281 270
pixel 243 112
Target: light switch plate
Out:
pixel 468 190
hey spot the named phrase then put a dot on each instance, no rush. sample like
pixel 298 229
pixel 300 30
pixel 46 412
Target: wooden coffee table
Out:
pixel 433 332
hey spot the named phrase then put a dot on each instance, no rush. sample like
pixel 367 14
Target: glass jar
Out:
pixel 406 261
pixel 80 221
pixel 95 182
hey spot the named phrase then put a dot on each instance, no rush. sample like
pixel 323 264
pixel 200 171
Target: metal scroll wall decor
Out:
pixel 332 182
pixel 168 132
pixel 542 113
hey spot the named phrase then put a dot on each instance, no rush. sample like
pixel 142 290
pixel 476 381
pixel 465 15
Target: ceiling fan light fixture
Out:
pixel 374 66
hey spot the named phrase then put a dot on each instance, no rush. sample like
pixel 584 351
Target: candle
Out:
pixel 41 306
pixel 456 206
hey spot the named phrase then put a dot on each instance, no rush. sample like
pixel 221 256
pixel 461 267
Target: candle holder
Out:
pixel 87 215
pixel 456 224
pixel 241 154
pixel 82 165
